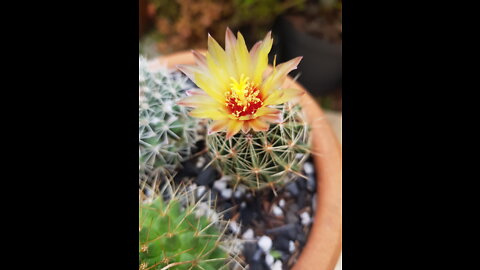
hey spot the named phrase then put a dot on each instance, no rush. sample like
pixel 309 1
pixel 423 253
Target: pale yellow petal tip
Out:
pixel 296 61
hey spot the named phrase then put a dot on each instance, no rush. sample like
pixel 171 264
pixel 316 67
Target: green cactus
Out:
pixel 179 232
pixel 166 131
pixel 260 159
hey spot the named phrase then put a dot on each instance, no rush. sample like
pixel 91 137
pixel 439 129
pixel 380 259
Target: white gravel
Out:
pixel 248 235
pixel 240 191
pixel 306 219
pixel 277 211
pixel 277 265
pixel 227 193
pixel 220 185
pixel 308 167
pixel 243 205
pixel 281 203
pixel 200 162
pixel 291 246
pixel 201 190
pixel 265 243
pixel 234 227
pixel 269 259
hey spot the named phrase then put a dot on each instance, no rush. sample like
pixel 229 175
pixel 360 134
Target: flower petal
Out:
pixel 245 127
pixel 259 56
pixel 215 50
pixel 230 40
pixel 198 100
pixel 241 58
pixel 218 125
pixel 210 85
pixel 219 63
pixel 283 95
pixel 272 118
pixel 200 59
pixel 267 110
pixel 258 125
pixel 233 128
pixel 280 72
pixel 196 91
pixel 189 71
pixel 214 113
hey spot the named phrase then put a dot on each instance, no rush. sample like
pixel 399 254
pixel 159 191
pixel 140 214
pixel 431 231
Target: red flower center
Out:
pixel 243 102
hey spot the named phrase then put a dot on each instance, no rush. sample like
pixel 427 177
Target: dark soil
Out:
pixel 285 217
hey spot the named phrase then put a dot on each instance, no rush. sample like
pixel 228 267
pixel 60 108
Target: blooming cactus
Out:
pixel 238 91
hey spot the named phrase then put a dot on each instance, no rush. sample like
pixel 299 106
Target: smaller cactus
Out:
pixel 166 131
pixel 178 232
pixel 269 158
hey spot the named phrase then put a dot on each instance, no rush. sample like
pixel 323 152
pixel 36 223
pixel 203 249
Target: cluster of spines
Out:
pixel 260 159
pixel 166 132
pixel 179 231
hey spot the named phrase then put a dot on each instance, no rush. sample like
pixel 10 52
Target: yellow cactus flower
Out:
pixel 237 91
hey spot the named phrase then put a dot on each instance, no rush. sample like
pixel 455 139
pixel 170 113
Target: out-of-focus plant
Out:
pixel 321 18
pixel 259 15
pixel 166 133
pixel 181 24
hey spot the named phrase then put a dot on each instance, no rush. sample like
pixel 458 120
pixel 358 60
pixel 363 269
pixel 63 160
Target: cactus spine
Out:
pixel 178 232
pixel 166 131
pixel 260 159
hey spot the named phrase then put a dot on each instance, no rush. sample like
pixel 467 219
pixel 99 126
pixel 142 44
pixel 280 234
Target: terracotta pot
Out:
pixel 324 243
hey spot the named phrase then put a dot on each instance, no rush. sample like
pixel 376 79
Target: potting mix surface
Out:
pixel 273 228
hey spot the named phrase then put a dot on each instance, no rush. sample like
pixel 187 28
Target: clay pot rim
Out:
pixel 324 243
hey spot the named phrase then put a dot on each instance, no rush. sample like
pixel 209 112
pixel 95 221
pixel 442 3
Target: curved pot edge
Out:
pixel 324 244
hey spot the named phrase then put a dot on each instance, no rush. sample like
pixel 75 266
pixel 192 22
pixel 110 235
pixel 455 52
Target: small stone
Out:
pixel 269 259
pixel 248 235
pixel 265 243
pixel 220 185
pixel 258 254
pixel 226 207
pixel 282 243
pixel 291 246
pixel 281 203
pixel 277 265
pixel 306 219
pixel 287 230
pixel 277 211
pixel 249 249
pixel 227 193
pixel 239 192
pixel 205 177
pixel 292 188
pixel 225 178
pixel 234 227
pixel 200 162
pixel 311 183
pixel 201 190
pixel 292 218
pixel 308 167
